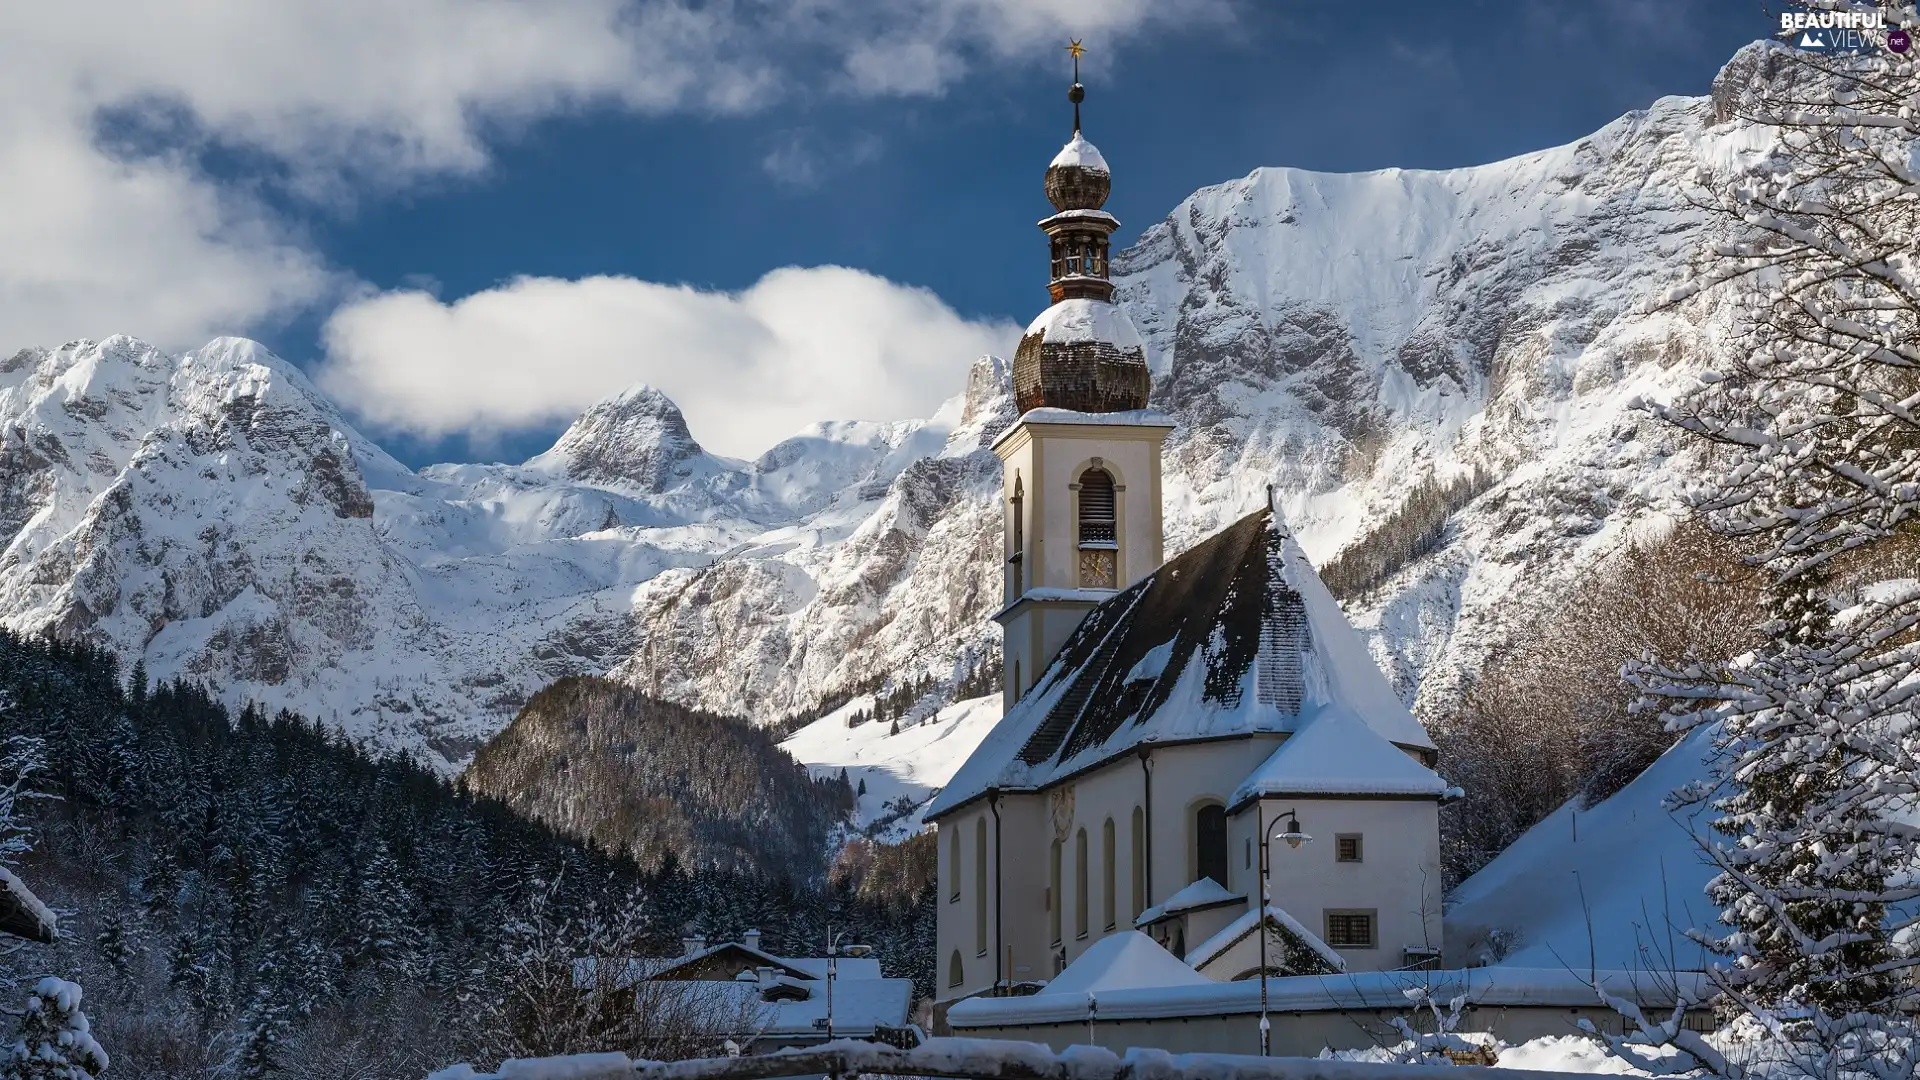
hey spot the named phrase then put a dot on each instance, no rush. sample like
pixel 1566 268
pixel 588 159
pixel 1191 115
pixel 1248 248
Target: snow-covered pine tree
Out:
pixel 1816 427
pixel 267 1022
pixel 120 946
pixel 54 1041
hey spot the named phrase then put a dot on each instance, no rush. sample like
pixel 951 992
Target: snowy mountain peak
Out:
pixel 638 439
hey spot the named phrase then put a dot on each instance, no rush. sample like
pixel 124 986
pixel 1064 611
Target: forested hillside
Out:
pixel 251 896
pixel 653 780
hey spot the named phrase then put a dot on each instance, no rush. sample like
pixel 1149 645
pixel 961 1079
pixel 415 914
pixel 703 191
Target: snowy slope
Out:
pixel 1348 338
pixel 901 771
pixel 1615 885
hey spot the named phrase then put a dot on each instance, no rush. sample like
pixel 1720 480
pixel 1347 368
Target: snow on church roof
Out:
pixel 1122 961
pixel 1258 645
pixel 1083 318
pixel 1337 754
pixel 1081 153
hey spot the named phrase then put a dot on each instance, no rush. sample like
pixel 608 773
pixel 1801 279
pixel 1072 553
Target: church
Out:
pixel 1191 749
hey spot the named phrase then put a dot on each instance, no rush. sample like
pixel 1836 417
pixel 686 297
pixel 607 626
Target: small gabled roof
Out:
pixel 1122 961
pixel 1202 894
pixel 1337 754
pixel 760 959
pixel 1236 931
pixel 1238 635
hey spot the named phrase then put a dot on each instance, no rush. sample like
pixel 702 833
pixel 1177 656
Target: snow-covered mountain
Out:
pixel 1360 341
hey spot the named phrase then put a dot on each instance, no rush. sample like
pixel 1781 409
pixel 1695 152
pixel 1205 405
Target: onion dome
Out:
pixel 1078 178
pixel 1082 353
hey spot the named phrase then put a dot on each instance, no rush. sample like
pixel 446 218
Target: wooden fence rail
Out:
pixel 977 1059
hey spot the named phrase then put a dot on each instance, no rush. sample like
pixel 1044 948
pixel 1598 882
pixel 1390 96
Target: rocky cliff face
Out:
pixel 1431 366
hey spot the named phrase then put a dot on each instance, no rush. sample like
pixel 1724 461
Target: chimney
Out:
pixel 751 940
pixel 764 974
pixel 693 944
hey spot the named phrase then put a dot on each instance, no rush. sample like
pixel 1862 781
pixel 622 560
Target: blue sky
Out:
pixel 352 213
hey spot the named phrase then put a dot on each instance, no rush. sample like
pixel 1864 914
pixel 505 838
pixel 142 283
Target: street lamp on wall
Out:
pixel 1294 837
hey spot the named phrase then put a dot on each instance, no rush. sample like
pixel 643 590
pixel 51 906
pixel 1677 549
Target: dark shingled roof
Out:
pixel 1247 609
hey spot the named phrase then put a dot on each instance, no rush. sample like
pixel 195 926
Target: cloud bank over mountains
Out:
pixel 114 219
pixel 747 368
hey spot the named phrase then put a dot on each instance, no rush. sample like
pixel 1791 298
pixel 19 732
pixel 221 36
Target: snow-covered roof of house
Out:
pixel 1121 961
pixel 1204 893
pixel 670 965
pixel 858 1006
pixel 1204 953
pixel 1243 638
pixel 1081 153
pixel 805 967
pixel 1082 318
pixel 1338 754
pixel 22 914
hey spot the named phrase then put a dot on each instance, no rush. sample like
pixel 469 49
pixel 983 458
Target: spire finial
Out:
pixel 1076 93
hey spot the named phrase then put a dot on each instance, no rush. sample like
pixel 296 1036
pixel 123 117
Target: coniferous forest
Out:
pixel 253 896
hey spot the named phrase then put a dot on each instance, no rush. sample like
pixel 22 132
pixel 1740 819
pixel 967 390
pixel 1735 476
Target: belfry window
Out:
pixel 1098 537
pixel 1096 508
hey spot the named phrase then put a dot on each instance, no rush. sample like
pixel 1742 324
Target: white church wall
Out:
pixel 1397 878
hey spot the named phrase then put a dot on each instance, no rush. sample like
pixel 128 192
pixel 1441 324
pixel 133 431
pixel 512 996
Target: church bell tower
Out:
pixel 1081 467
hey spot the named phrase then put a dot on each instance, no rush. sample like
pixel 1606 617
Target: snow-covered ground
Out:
pixel 1615 885
pixel 906 769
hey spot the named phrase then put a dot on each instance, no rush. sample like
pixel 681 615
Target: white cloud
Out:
pixel 748 368
pixel 333 101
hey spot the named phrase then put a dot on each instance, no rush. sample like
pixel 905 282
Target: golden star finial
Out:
pixel 1075 49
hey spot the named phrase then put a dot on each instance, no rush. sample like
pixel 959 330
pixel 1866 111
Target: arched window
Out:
pixel 956 973
pixel 1210 843
pixel 1080 884
pixel 953 866
pixel 1106 874
pixel 1096 508
pixel 1138 855
pixel 1098 538
pixel 980 886
pixel 1053 893
pixel 1016 558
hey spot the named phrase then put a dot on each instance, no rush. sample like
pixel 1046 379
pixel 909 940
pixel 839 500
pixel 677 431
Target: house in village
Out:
pixel 1169 726
pixel 774 1002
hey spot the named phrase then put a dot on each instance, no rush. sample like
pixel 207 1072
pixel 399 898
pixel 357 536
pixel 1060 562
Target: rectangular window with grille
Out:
pixel 1350 929
pixel 1346 847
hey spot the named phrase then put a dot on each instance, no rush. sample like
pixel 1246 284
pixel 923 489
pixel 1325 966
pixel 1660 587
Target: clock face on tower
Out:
pixel 1097 568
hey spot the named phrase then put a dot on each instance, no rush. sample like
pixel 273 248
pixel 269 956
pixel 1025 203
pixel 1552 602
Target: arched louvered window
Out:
pixel 1099 540
pixel 956 972
pixel 1096 508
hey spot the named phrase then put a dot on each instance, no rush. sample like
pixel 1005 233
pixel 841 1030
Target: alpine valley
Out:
pixel 1433 370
